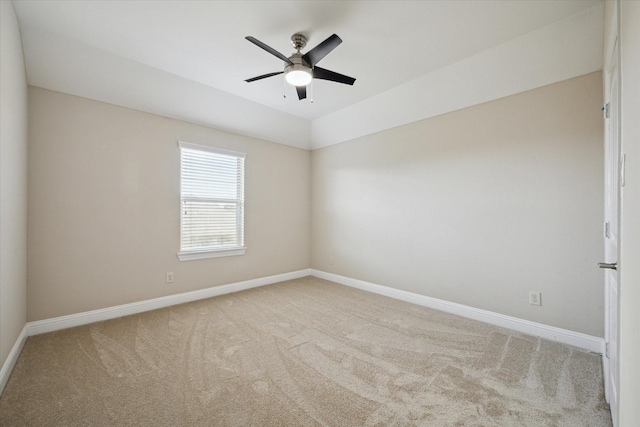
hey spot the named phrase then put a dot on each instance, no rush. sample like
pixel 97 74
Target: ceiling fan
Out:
pixel 300 68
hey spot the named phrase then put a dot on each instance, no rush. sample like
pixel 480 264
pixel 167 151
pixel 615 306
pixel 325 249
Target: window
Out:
pixel 211 202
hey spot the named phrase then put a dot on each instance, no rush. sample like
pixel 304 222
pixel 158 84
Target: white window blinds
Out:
pixel 212 202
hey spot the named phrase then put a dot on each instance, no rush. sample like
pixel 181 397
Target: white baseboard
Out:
pixel 8 365
pixel 576 339
pixel 78 319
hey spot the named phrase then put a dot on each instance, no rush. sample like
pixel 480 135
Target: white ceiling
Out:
pixel 189 59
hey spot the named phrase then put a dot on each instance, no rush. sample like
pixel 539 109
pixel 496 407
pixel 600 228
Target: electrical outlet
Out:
pixel 535 298
pixel 170 277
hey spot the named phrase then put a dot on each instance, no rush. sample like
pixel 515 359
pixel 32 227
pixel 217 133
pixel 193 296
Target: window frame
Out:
pixel 213 252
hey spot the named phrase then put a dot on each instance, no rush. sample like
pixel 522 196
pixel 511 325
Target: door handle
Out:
pixel 613 265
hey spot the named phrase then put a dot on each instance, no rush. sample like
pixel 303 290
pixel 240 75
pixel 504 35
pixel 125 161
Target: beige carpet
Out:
pixel 301 353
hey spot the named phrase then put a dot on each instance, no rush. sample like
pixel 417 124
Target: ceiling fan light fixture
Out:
pixel 298 75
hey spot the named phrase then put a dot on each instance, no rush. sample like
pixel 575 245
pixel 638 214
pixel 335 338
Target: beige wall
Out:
pixel 13 182
pixel 477 206
pixel 104 207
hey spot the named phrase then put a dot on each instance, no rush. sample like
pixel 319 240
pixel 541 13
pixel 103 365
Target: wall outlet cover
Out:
pixel 535 298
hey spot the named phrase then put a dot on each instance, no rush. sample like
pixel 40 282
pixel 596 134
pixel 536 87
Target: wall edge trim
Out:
pixel 12 358
pixel 84 318
pixel 552 333
pixel 564 336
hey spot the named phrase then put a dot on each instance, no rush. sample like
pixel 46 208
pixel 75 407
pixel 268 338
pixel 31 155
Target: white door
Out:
pixel 612 197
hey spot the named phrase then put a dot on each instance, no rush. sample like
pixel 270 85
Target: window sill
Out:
pixel 188 256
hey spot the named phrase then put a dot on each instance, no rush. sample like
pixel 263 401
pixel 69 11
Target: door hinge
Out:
pixel 606 110
pixel 606 350
pixel 607 230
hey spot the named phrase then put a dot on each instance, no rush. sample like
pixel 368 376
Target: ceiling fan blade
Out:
pixel 264 76
pixel 317 53
pixel 302 92
pixel 322 74
pixel 268 49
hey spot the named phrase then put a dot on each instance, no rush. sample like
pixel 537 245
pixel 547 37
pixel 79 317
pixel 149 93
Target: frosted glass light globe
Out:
pixel 298 76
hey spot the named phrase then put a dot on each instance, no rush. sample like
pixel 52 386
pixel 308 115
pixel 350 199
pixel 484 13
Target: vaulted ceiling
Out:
pixel 411 59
